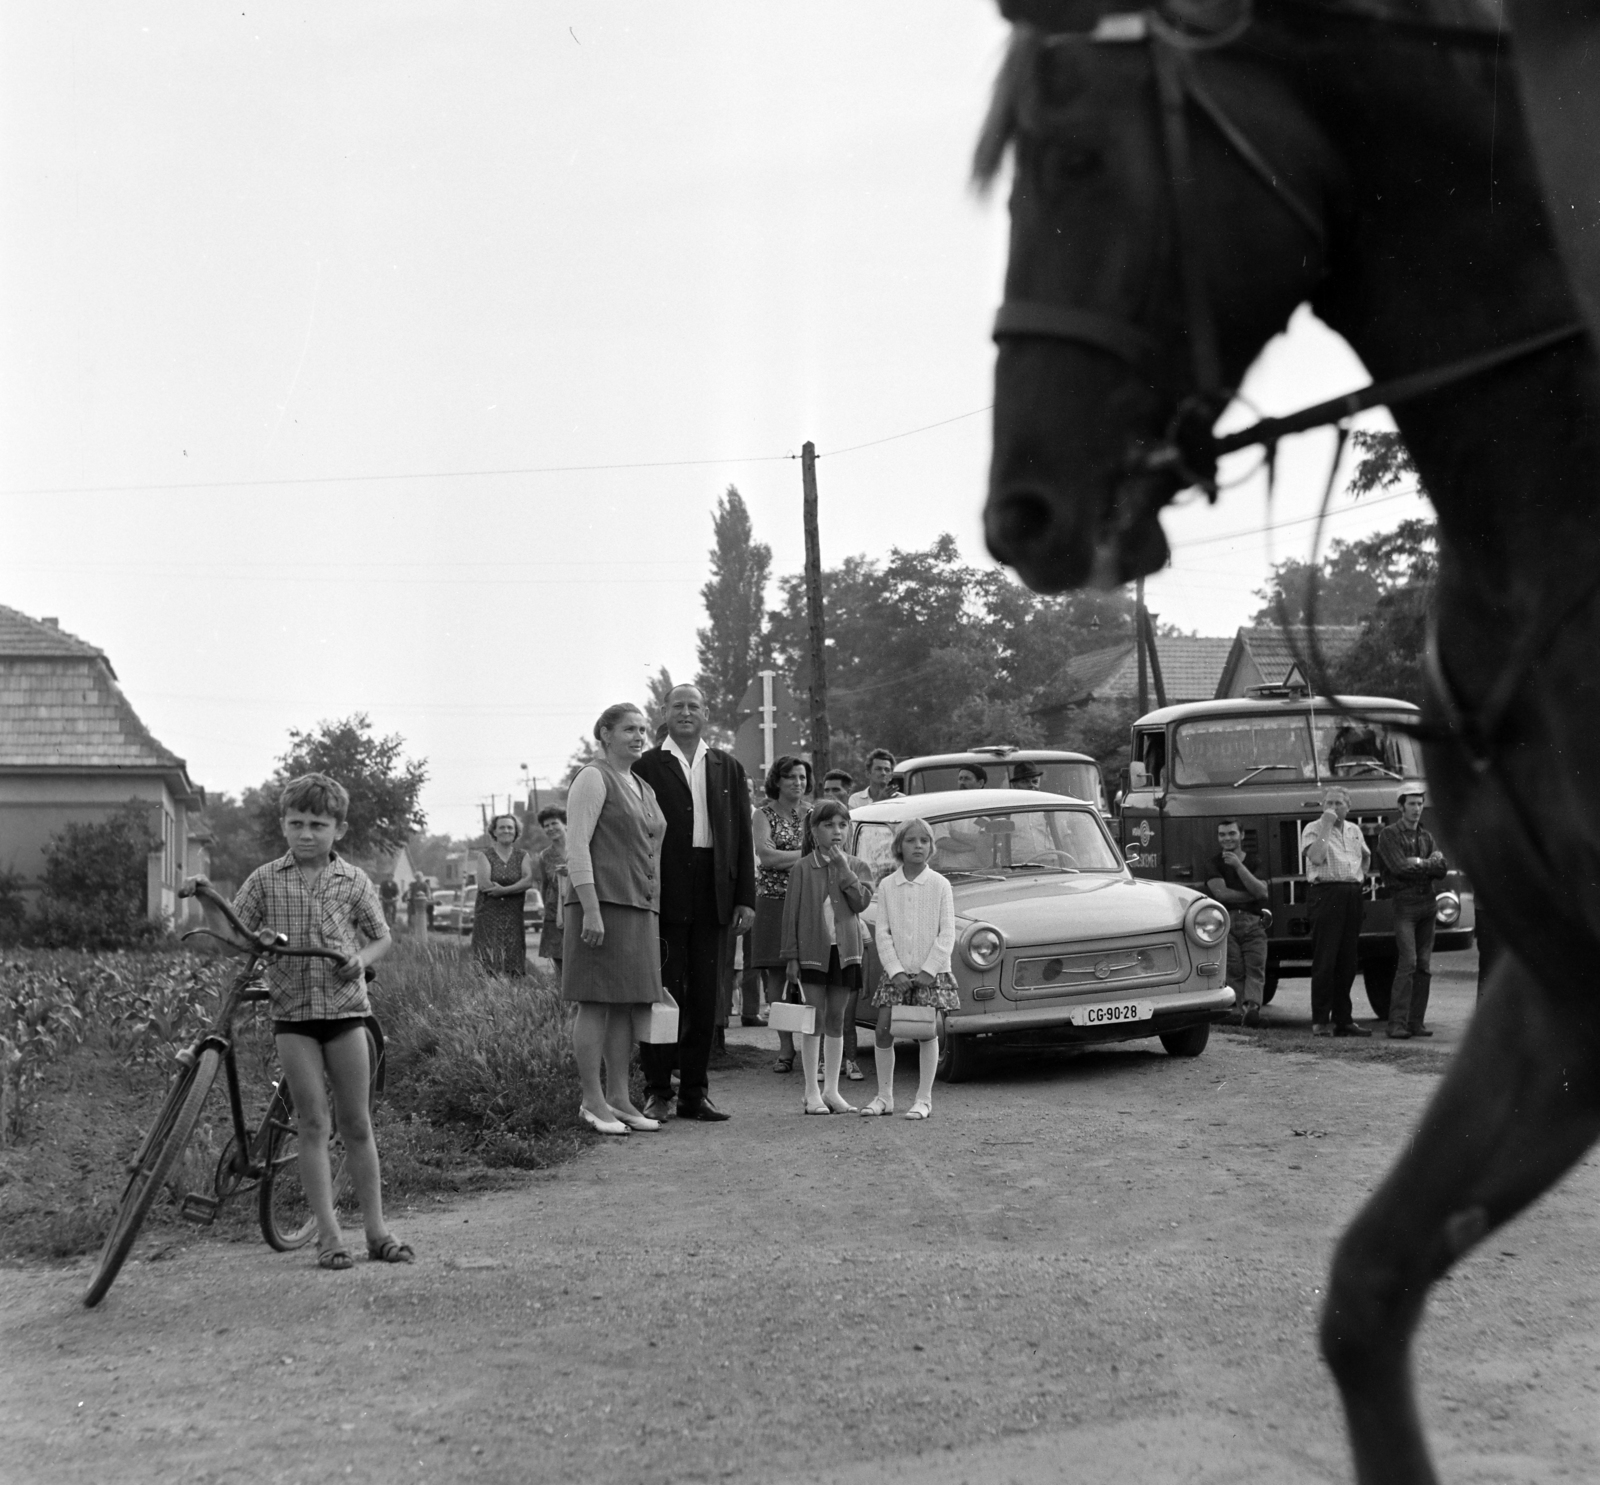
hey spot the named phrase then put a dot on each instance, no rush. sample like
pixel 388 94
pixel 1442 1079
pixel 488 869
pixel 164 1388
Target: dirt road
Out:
pixel 1101 1268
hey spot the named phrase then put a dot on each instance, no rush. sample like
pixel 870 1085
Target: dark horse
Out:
pixel 1183 181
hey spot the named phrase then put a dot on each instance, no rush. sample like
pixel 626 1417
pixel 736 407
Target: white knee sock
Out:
pixel 809 1047
pixel 929 1065
pixel 884 1057
pixel 832 1061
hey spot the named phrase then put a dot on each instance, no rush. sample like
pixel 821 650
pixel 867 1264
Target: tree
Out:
pixel 384 788
pixel 96 883
pixel 236 848
pixel 731 648
pixel 926 653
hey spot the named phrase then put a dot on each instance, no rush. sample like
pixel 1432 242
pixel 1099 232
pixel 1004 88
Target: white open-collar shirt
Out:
pixel 694 770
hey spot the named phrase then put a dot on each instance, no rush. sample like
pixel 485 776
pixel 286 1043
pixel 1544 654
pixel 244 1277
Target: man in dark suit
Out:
pixel 708 895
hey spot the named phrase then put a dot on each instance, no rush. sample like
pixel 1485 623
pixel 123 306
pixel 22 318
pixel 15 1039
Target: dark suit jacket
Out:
pixel 728 803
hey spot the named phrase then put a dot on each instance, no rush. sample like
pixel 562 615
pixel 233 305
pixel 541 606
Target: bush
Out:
pixel 490 1056
pixel 95 885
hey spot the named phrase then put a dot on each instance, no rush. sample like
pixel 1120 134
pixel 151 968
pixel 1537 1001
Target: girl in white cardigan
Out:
pixel 915 935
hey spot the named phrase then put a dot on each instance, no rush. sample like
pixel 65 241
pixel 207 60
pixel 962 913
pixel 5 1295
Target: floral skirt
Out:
pixel 942 994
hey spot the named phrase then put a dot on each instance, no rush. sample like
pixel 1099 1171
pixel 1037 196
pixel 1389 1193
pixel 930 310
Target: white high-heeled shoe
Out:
pixel 601 1126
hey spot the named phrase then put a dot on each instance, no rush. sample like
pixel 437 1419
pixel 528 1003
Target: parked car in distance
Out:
pixel 1057 942
pixel 446 910
pixel 1074 774
pixel 532 911
pixel 469 903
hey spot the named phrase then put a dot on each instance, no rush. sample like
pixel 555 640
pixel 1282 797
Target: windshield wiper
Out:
pixel 961 871
pixel 1256 768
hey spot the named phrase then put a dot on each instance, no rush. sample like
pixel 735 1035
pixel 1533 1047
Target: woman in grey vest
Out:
pixel 611 951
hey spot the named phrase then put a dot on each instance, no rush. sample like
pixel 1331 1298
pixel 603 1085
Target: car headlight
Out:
pixel 983 946
pixel 1448 906
pixel 1207 923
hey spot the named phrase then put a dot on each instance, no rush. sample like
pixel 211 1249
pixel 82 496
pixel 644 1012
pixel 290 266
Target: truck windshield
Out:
pixel 1227 750
pixel 1320 746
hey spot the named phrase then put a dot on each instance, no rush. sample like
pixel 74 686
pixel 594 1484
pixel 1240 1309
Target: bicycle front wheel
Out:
pixel 176 1122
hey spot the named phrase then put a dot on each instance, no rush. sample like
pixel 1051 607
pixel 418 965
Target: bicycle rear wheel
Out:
pixel 160 1152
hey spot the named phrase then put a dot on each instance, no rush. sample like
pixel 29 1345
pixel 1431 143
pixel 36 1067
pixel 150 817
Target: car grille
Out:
pixel 1065 972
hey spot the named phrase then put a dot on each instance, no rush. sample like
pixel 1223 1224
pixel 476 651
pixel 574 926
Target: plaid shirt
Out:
pixel 325 914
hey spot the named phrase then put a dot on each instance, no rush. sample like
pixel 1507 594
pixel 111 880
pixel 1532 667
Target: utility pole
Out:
pixel 1155 658
pixel 1138 635
pixel 819 679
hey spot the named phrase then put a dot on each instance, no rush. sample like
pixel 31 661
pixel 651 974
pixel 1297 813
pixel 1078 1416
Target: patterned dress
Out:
pixel 772 885
pixel 497 934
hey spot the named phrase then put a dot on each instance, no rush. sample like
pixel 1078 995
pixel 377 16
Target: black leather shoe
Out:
pixel 1420 1031
pixel 657 1107
pixel 702 1109
pixel 1349 1028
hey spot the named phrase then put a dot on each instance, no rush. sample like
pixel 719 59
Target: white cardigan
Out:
pixel 916 923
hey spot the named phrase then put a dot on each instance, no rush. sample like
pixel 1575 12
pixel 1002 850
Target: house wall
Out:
pixel 33 807
pixel 1245 675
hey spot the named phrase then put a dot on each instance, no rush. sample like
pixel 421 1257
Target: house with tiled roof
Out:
pixel 1191 666
pixel 73 750
pixel 1268 655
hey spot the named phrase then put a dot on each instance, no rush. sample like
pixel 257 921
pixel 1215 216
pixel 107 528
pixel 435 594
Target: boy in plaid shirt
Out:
pixel 319 1009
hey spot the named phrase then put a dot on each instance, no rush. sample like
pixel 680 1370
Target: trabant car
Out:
pixel 1263 759
pixel 1057 942
pixel 1074 774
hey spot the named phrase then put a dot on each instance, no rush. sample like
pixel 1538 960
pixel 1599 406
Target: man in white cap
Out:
pixel 1411 865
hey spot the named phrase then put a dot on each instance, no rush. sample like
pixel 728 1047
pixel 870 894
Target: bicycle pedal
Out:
pixel 200 1209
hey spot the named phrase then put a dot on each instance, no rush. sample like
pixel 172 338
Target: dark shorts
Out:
pixel 836 977
pixel 322 1031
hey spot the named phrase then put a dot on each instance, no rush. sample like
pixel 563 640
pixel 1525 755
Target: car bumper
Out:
pixel 1054 1023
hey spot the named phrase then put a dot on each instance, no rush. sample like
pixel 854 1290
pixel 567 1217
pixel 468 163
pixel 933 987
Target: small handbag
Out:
pixel 657 1024
pixel 913 1023
pixel 791 1014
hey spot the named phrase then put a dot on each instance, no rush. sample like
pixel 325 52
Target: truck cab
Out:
pixel 1263 760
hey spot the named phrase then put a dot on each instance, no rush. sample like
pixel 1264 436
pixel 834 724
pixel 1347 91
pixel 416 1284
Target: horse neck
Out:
pixel 1433 269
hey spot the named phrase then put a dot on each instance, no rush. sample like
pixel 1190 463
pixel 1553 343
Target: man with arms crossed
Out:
pixel 1411 865
pixel 1234 882
pixel 1337 861
pixel 708 893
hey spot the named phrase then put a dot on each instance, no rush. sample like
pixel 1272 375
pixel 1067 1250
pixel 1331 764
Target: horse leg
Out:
pixel 1518 1106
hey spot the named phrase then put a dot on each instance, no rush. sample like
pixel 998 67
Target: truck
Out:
pixel 1263 759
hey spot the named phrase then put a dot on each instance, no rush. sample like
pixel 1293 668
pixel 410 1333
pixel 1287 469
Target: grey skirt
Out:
pixel 624 970
pixel 766 938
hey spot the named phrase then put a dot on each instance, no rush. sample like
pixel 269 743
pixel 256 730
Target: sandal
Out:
pixel 337 1259
pixel 389 1250
pixel 784 1064
pixel 921 1109
pixel 879 1106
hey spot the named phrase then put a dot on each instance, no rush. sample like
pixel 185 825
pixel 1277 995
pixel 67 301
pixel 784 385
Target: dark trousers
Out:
pixel 693 956
pixel 1414 924
pixel 1335 930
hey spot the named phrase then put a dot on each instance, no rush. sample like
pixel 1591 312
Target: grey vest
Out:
pixel 625 849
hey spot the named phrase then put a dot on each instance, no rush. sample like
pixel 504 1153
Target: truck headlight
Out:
pixel 983 946
pixel 1448 906
pixel 1207 923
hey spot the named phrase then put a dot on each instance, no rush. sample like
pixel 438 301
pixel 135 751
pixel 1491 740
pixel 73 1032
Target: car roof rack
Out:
pixel 1294 689
pixel 995 750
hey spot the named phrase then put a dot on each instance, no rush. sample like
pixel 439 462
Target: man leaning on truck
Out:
pixel 1337 861
pixel 1411 867
pixel 1234 882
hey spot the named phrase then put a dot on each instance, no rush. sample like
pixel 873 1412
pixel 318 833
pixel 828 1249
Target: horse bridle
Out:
pixel 1190 450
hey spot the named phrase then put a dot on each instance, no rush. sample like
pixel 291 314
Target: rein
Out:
pixel 1190 449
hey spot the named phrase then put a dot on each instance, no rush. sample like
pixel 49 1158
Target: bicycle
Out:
pixel 267 1156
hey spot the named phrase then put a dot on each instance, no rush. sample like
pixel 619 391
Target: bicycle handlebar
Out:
pixel 264 939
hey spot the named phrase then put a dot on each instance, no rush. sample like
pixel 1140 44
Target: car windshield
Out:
pixel 1079 780
pixel 1368 747
pixel 1001 844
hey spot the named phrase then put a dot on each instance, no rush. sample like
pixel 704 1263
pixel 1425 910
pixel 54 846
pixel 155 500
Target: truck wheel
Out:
pixel 1378 976
pixel 1269 984
pixel 1190 1042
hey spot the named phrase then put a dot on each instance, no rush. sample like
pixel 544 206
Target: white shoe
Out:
pixel 879 1105
pixel 921 1109
pixel 837 1103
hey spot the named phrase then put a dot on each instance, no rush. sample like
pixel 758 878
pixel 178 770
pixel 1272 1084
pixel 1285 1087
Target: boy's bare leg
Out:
pixel 301 1060
pixel 350 1073
pixel 618 1057
pixel 1519 1104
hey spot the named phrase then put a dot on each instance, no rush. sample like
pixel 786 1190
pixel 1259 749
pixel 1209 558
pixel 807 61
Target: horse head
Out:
pixel 1131 311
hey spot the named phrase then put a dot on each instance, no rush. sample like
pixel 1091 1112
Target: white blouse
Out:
pixel 916 923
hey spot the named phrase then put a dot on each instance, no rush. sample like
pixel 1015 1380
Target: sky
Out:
pixel 392 357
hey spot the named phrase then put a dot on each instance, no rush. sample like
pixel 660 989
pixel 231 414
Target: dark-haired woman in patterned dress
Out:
pixel 505 872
